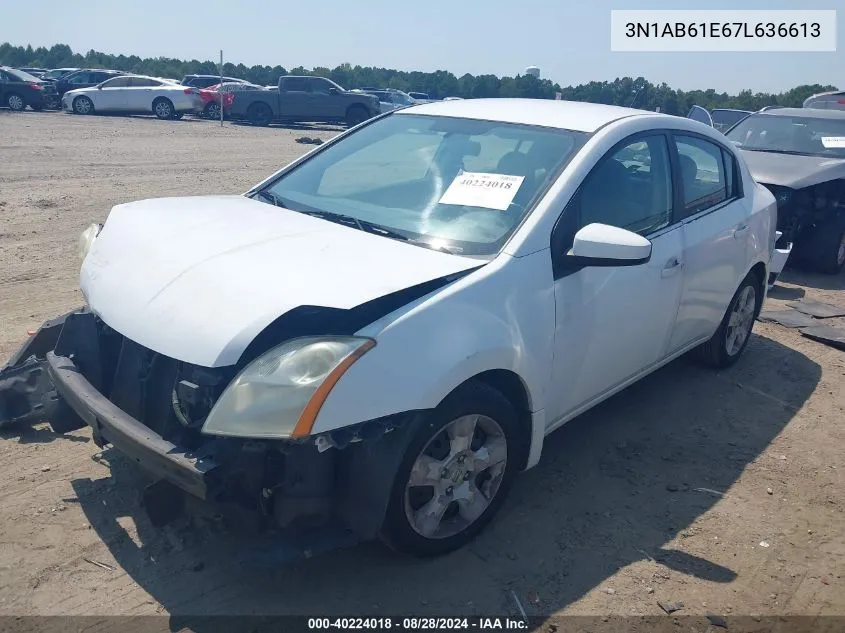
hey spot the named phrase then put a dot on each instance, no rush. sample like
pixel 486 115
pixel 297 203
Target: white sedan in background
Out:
pixel 135 94
pixel 380 335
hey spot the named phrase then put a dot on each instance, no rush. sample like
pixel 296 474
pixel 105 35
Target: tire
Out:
pixel 212 111
pixel 356 114
pixel 15 102
pixel 163 108
pixel 828 248
pixel 723 349
pixel 259 114
pixel 455 489
pixel 83 105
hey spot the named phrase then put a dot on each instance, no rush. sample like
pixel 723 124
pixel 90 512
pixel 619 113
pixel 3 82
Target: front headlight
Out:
pixel 279 394
pixel 86 240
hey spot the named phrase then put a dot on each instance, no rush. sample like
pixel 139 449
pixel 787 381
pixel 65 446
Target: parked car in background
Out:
pixel 305 99
pixel 211 96
pixel 35 72
pixel 725 118
pixel 136 94
pixel 19 90
pixel 84 78
pixel 57 73
pixel 420 96
pixel 833 100
pixel 204 81
pixel 770 107
pixel 799 154
pixel 720 118
pixel 450 283
pixel 391 99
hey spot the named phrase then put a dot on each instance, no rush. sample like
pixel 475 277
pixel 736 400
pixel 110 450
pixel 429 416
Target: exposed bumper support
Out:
pixel 778 261
pixel 109 423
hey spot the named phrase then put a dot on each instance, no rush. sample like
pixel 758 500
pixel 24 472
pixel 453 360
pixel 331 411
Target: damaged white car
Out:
pixel 379 336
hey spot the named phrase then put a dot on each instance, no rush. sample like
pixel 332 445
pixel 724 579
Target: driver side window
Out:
pixel 631 188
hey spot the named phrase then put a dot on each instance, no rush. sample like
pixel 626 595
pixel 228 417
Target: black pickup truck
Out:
pixel 312 99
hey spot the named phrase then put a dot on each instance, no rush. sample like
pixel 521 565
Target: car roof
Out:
pixel 815 113
pixel 567 115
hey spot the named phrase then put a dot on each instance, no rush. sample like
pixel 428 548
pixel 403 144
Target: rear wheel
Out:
pixel 83 105
pixel 455 473
pixel 15 102
pixel 730 340
pixel 163 108
pixel 259 114
pixel 356 115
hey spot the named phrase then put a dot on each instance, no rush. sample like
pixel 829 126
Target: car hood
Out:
pixel 196 279
pixel 793 171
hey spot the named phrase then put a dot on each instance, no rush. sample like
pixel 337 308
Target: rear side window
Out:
pixel 704 181
pixel 296 84
pixel 79 78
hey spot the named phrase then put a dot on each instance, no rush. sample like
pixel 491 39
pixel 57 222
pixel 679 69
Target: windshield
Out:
pixel 727 118
pixel 805 135
pixel 458 185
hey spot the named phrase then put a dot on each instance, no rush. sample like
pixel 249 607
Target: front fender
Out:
pixel 499 317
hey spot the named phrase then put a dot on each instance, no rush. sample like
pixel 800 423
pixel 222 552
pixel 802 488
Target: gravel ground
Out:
pixel 719 490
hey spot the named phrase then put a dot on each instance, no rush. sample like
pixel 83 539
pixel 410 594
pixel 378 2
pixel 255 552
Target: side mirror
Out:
pixel 334 91
pixel 605 245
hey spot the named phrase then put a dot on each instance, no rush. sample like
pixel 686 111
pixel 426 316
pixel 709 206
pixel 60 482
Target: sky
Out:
pixel 569 40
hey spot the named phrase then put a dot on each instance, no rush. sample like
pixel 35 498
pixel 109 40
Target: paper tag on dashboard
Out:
pixel 833 142
pixel 476 189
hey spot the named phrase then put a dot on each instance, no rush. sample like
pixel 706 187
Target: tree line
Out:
pixel 625 91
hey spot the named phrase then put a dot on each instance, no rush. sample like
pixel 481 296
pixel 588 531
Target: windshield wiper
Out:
pixel 361 225
pixel 791 152
pixel 272 198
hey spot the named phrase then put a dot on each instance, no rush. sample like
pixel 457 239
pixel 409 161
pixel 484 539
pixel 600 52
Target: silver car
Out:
pixel 136 94
pixel 834 100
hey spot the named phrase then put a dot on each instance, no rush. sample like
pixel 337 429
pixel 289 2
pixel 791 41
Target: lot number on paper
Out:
pixel 476 189
pixel 833 142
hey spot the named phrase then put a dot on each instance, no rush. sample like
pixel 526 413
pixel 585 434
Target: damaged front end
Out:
pixel 77 371
pixel 811 222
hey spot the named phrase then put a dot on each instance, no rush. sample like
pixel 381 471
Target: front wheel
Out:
pixel 828 247
pixel 83 105
pixel 730 340
pixel 455 473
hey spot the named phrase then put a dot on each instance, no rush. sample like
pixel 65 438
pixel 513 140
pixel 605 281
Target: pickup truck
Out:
pixel 304 99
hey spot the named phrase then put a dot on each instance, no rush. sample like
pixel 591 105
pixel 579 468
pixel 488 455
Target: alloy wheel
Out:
pixel 741 320
pixel 456 476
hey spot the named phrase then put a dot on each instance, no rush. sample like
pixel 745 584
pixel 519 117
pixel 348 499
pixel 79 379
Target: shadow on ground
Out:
pixel 813 280
pixel 613 487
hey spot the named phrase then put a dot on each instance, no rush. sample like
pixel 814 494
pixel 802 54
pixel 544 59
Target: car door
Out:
pixel 110 96
pixel 294 97
pixel 715 218
pixel 5 80
pixel 614 323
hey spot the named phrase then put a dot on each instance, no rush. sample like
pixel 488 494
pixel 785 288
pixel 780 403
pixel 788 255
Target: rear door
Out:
pixel 294 97
pixel 715 216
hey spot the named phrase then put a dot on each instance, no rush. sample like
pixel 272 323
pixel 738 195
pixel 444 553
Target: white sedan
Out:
pixel 137 94
pixel 380 335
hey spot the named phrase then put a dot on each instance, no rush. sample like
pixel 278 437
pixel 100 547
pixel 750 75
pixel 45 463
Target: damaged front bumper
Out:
pixel 338 483
pixel 778 259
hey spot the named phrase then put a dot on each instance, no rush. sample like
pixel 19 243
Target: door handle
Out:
pixel 671 267
pixel 740 230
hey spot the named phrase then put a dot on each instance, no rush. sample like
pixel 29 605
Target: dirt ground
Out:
pixel 720 490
